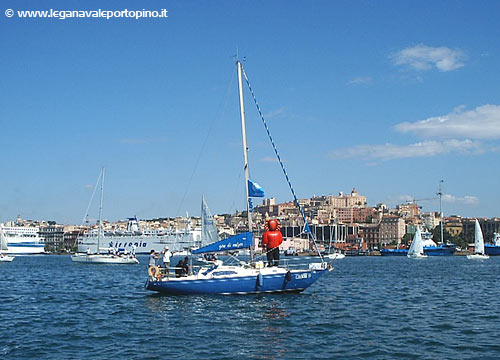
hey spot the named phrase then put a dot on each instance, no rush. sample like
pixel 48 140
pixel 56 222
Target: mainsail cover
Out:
pixel 478 239
pixel 209 233
pixel 234 242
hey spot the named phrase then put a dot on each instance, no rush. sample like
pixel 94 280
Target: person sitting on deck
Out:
pixel 179 268
pixel 271 240
pixel 185 267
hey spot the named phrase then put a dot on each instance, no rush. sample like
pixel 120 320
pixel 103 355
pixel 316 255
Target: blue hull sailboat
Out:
pixel 250 277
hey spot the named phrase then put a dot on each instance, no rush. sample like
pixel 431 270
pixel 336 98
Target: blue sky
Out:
pixel 385 96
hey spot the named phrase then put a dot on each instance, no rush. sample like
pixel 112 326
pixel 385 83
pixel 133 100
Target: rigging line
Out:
pixel 224 107
pixel 91 198
pixel 306 224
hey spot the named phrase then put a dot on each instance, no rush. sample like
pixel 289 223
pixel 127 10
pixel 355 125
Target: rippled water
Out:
pixel 368 307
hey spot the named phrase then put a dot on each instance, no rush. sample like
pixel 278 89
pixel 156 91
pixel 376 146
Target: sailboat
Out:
pixel 478 244
pixel 3 247
pixel 246 277
pixel 335 254
pixel 416 250
pixel 112 257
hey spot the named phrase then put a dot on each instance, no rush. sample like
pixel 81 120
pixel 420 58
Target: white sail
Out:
pixel 209 233
pixel 3 240
pixel 417 246
pixel 478 240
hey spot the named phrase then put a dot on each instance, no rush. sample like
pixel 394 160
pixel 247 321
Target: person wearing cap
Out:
pixel 167 254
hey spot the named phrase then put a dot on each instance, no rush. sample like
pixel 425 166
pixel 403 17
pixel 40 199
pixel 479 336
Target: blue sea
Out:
pixel 367 308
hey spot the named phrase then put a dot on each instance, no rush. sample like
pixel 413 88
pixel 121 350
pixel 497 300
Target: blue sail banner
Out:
pixel 234 242
pixel 255 190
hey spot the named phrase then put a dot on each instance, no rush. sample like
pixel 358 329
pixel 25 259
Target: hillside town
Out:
pixel 342 221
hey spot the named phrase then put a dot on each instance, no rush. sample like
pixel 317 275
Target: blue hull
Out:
pixel 393 252
pixel 277 283
pixel 441 250
pixel 491 250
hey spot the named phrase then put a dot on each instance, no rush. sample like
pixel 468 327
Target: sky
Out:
pixel 389 97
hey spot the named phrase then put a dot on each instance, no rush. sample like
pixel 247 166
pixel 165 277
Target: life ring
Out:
pixel 154 271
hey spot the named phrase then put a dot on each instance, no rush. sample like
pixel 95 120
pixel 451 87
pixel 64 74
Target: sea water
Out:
pixel 367 308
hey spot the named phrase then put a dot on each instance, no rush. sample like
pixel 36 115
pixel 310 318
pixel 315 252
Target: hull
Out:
pixel 25 248
pixel 393 252
pixel 491 250
pixel 6 258
pixel 441 250
pixel 477 257
pixel 417 256
pixel 250 283
pixel 104 259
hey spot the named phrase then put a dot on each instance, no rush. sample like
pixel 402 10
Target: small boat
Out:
pixel 336 255
pixel 113 256
pixel 416 250
pixel 246 277
pixel 3 247
pixel 478 244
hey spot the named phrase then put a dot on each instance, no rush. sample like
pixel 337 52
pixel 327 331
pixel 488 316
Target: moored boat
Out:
pixel 112 256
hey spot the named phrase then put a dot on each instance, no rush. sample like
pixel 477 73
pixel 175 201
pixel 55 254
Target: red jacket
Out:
pixel 272 238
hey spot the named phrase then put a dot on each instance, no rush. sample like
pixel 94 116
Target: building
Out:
pixel 371 236
pixel 346 201
pixel 53 234
pixel 392 230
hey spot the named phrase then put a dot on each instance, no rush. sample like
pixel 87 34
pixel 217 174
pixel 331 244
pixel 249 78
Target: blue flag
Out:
pixel 255 190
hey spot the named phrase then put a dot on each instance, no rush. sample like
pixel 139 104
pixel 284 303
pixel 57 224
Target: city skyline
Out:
pixel 389 98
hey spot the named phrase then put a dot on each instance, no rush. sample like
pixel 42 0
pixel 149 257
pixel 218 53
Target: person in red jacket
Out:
pixel 271 240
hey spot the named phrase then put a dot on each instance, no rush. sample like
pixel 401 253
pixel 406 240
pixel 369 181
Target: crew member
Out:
pixel 271 240
pixel 167 254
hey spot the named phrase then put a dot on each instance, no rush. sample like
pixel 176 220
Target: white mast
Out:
pixel 100 212
pixel 245 150
pixel 440 194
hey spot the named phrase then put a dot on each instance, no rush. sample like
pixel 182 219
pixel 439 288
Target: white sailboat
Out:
pixel 416 250
pixel 335 254
pixel 3 247
pixel 478 244
pixel 98 258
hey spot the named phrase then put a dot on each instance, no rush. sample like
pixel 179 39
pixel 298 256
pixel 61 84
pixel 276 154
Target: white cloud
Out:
pixel 269 159
pixel 466 200
pixel 360 80
pixel 275 113
pixel 423 57
pixel 420 149
pixel 483 122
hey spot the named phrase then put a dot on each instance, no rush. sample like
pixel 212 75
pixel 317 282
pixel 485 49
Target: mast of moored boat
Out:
pixel 245 153
pixel 100 212
pixel 440 194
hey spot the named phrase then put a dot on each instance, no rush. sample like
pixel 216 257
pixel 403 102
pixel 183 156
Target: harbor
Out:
pixel 262 180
